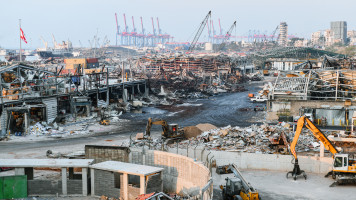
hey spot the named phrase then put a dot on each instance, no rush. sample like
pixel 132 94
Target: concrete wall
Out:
pixel 53 187
pixel 181 174
pixel 105 184
pixel 311 164
pixel 272 161
pixel 106 153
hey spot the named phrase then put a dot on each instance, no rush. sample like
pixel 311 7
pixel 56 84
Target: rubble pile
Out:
pixel 252 139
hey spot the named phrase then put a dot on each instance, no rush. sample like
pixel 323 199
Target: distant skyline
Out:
pixel 80 19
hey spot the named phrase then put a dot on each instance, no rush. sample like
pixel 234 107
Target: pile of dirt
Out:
pixel 206 127
pixel 191 131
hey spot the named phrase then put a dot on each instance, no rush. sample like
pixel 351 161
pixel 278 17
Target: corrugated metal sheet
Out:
pixel 332 116
pixel 51 109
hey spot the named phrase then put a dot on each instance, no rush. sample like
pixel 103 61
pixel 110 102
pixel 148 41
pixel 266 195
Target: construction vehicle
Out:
pixel 104 117
pixel 344 167
pixel 238 188
pixel 168 130
pixel 279 143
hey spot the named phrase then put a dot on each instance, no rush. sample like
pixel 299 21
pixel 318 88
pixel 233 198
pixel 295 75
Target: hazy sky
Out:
pixel 80 19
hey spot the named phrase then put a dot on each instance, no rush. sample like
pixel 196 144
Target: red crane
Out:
pixel 125 23
pixel 153 26
pixel 133 24
pixel 117 28
pixel 117 25
pixel 159 29
pixel 220 27
pixel 212 25
pixel 142 30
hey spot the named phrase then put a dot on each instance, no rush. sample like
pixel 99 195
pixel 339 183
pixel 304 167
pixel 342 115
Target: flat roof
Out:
pixel 128 168
pixel 45 162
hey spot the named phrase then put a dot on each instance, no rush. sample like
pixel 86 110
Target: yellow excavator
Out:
pixel 344 167
pixel 238 188
pixel 168 130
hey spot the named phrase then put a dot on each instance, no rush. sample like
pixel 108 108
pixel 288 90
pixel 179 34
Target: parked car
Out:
pixel 259 99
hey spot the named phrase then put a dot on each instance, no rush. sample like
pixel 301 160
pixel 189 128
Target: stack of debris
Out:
pixel 254 139
pixel 266 139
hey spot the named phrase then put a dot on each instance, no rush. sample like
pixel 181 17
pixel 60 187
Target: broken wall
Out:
pixel 105 183
pixel 106 153
pixel 181 174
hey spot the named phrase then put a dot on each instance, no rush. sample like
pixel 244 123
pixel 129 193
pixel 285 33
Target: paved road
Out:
pixel 222 110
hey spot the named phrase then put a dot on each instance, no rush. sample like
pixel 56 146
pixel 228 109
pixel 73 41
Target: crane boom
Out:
pixel 220 27
pixel 159 29
pixel 227 36
pixel 143 31
pixel 133 24
pixel 125 23
pixel 117 24
pixel 153 27
pixel 274 33
pixel 200 30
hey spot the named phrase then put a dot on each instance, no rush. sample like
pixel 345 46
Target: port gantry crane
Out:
pixel 227 36
pixel 200 30
pixel 117 28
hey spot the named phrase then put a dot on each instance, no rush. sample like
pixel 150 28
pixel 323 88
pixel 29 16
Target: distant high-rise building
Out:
pixel 316 38
pixel 339 31
pixel 283 34
pixel 329 38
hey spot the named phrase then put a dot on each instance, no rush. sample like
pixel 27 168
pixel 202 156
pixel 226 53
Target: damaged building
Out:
pixel 327 96
pixel 31 94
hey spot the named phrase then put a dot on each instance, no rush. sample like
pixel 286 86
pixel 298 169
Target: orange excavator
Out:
pixel 344 167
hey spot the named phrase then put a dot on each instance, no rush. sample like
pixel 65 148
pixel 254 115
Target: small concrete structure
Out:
pixel 65 186
pixel 124 180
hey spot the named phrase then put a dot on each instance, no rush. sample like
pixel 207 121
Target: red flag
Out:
pixel 22 35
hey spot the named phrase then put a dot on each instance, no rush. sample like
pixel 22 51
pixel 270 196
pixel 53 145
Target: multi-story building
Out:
pixel 283 34
pixel 315 38
pixel 329 37
pixel 339 29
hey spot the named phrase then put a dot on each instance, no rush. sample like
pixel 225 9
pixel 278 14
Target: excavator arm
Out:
pixel 317 134
pixel 163 123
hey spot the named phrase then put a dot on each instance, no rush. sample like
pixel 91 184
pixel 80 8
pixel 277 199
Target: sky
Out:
pixel 82 19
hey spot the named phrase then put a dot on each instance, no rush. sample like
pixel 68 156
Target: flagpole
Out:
pixel 20 41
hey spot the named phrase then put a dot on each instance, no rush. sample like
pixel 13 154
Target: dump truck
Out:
pixel 237 188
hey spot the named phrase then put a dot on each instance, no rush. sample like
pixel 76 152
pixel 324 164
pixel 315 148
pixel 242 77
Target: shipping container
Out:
pixel 75 61
pixel 92 60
